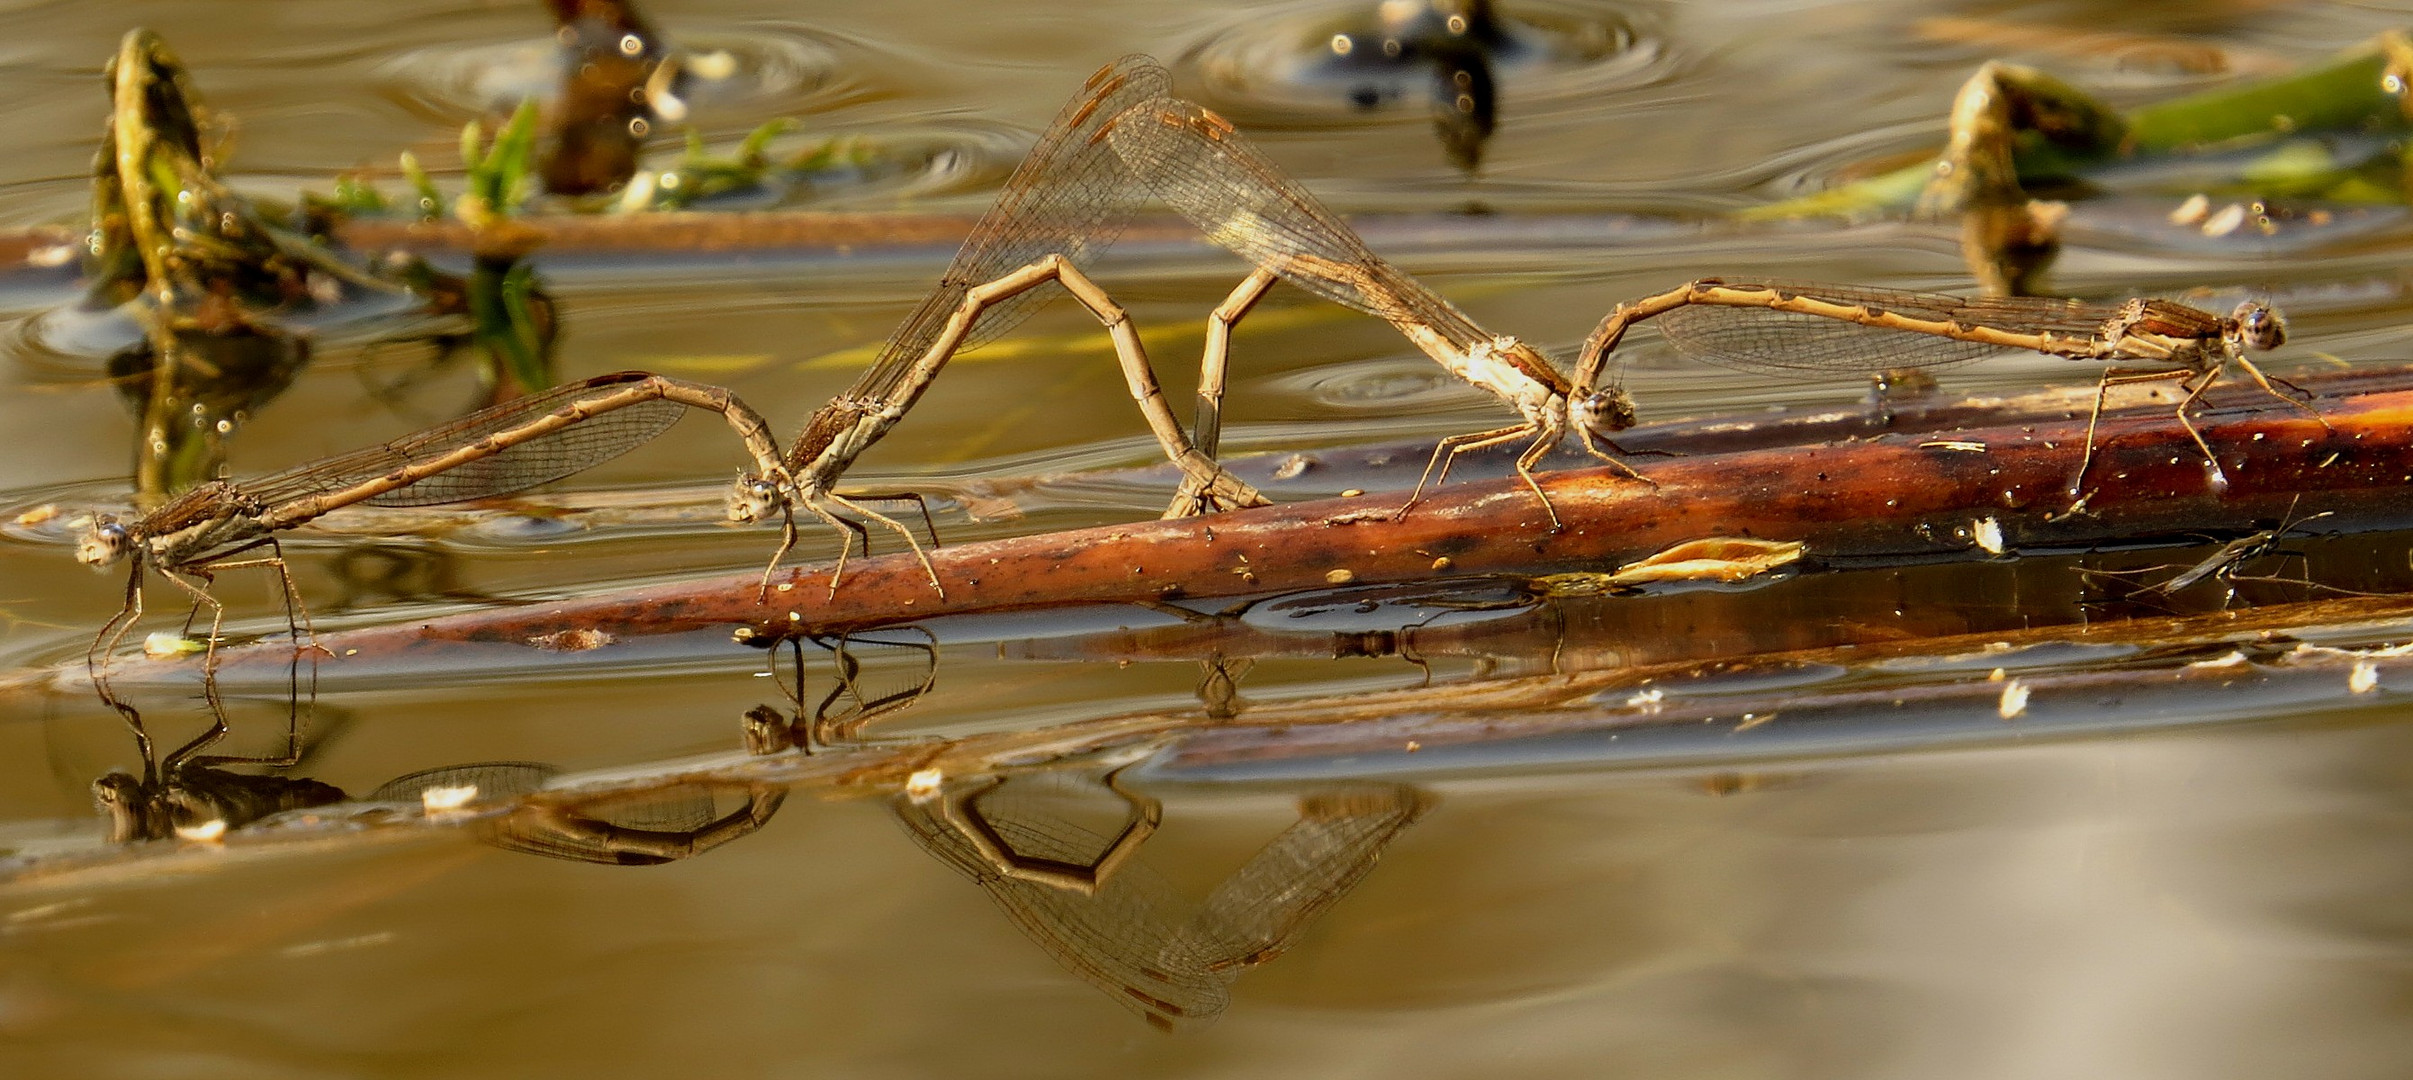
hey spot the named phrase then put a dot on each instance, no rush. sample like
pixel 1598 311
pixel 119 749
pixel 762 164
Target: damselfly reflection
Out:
pixel 855 698
pixel 1028 840
pixel 508 448
pixel 643 827
pixel 189 795
pixel 1790 328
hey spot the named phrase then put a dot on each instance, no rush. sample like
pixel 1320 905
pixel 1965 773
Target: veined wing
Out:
pixel 1215 177
pixel 1070 197
pixel 538 461
pixel 1790 343
pixel 1126 938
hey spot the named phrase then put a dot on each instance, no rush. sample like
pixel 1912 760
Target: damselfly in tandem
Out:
pixel 1061 209
pixel 508 448
pixel 1791 328
pixel 1207 171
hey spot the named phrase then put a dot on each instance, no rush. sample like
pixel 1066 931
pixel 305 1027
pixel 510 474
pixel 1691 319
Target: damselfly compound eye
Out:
pixel 1604 410
pixel 753 498
pixel 2260 326
pixel 104 543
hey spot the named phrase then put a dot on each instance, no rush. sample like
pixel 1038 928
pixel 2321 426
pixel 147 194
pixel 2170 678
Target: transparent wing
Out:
pixel 1070 197
pixel 1212 175
pixel 538 461
pixel 1783 342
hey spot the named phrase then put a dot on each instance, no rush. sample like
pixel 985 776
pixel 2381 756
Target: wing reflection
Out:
pixel 1086 899
pixel 632 828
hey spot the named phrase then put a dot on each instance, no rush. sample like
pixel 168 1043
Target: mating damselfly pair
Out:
pixel 1123 138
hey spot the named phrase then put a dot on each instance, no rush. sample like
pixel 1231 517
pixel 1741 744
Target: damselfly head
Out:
pixel 133 814
pixel 1602 411
pixel 754 498
pixel 104 543
pixel 2257 326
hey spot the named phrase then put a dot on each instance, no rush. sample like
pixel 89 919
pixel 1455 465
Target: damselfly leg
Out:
pixel 1200 165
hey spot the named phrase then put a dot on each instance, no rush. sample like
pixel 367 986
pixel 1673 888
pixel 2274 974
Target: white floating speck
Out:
pixel 2014 701
pixel 712 66
pixel 203 832
pixel 2234 658
pixel 2192 211
pixel 923 784
pixel 1988 534
pixel 1647 699
pixel 2363 678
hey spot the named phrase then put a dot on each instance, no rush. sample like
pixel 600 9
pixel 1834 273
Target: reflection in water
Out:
pixel 611 61
pixel 646 827
pixel 853 700
pixel 1108 918
pixel 185 795
pixel 216 283
pixel 1447 46
pixel 381 572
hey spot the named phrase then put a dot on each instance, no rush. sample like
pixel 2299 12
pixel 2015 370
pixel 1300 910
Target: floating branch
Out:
pixel 1975 493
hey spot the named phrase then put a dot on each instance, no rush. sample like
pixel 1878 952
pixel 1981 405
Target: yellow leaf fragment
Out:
pixel 1720 558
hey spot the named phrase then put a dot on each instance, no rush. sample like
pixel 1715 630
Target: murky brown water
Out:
pixel 2169 899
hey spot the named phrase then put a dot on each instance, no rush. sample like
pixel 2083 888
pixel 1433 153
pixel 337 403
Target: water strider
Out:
pixel 1200 165
pixel 1790 328
pixel 1059 210
pixel 507 448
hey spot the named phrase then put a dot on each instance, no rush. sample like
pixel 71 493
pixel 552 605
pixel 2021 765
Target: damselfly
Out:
pixel 511 447
pixel 1200 165
pixel 1059 211
pixel 1795 327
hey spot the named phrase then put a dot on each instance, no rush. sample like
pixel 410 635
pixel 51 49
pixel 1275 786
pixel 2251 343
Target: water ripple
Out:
pixel 1280 70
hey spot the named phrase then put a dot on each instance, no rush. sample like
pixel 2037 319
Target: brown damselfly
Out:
pixel 1792 328
pixel 1058 212
pixel 1204 169
pixel 496 451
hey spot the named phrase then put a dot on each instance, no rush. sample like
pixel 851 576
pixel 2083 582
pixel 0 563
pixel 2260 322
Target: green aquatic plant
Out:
pixel 2015 128
pixel 701 175
pixel 501 173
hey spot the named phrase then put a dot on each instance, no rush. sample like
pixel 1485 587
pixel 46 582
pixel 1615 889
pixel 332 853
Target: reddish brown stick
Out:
pixel 1914 497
